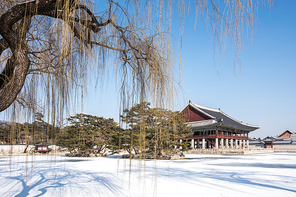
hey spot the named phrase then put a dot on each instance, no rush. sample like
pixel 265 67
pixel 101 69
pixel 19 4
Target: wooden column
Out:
pixel 240 144
pixel 221 142
pixel 248 143
pixel 247 140
pixel 217 143
pixel 203 143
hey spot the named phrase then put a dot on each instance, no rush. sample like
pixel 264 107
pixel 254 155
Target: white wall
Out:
pixel 12 148
pixel 284 147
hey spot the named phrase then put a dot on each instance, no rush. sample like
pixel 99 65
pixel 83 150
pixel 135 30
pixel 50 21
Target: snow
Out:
pixel 197 175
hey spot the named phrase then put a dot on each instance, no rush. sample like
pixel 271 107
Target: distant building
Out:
pixel 42 148
pixel 256 143
pixel 213 128
pixel 268 142
pixel 285 141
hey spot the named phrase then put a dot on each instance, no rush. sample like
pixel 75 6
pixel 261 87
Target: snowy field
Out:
pixel 197 175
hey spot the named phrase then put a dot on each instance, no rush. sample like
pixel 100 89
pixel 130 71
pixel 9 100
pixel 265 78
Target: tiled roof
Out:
pixel 285 140
pixel 293 137
pixel 282 142
pixel 256 142
pixel 220 116
pixel 285 132
pixel 203 123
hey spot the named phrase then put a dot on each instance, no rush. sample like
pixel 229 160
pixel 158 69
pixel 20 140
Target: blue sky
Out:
pixel 260 92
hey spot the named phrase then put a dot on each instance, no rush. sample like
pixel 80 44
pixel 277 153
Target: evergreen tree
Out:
pixel 153 131
pixel 88 133
pixel 27 133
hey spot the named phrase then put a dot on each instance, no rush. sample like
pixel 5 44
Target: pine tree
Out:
pixel 87 133
pixel 153 131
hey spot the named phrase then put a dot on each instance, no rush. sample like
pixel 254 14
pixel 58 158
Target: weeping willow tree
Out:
pixel 51 49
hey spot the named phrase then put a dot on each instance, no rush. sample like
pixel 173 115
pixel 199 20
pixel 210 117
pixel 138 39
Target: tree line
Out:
pixel 36 132
pixel 148 131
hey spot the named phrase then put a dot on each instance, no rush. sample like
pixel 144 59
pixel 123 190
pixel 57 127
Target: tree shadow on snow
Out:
pixel 45 179
pixel 228 176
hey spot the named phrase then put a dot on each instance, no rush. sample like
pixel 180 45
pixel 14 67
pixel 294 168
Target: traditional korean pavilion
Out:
pixel 212 128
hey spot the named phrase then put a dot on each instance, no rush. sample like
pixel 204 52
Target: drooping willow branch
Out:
pixel 13 75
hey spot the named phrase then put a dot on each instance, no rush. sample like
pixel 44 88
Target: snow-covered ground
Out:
pixel 197 175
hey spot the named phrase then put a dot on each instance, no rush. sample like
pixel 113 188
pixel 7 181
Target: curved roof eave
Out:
pixel 196 107
pixel 240 129
pixel 220 115
pixel 249 125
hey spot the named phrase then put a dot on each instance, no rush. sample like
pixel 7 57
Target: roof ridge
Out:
pixel 291 133
pixel 197 107
pixel 218 114
pixel 218 110
pixel 208 108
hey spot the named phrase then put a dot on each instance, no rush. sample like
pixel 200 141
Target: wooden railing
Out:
pixel 219 136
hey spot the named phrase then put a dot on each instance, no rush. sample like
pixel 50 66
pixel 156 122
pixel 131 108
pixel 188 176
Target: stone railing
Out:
pixel 258 151
pixel 231 151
